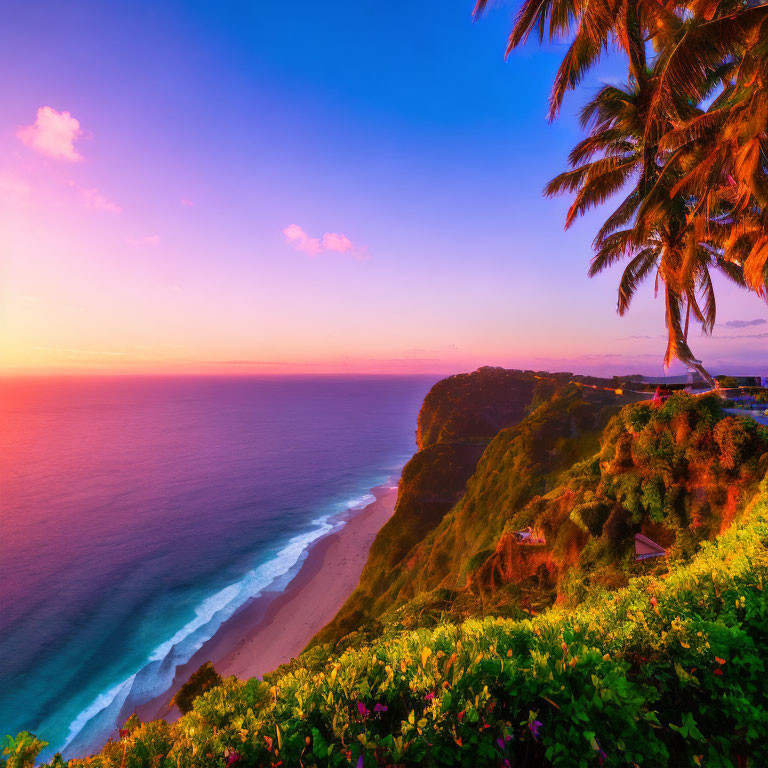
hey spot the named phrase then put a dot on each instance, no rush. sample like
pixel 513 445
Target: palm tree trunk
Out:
pixel 677 345
pixel 635 42
pixel 703 372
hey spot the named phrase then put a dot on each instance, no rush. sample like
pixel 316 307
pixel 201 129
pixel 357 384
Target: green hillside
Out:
pixel 582 473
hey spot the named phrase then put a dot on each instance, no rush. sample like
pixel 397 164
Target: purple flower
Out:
pixel 500 743
pixel 233 757
pixel 430 696
pixel 380 708
pixel 535 727
pixel 601 756
pixel 360 761
pixel 362 709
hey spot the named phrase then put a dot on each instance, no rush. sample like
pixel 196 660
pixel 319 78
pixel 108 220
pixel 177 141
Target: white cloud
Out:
pixel 301 241
pixel 53 134
pixel 336 242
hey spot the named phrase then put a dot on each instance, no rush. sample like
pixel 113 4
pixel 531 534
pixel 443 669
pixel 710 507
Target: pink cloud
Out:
pixel 301 241
pixel 94 199
pixel 330 241
pixel 188 203
pixel 337 242
pixel 53 133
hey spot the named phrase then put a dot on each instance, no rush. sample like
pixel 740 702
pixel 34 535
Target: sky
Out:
pixel 346 187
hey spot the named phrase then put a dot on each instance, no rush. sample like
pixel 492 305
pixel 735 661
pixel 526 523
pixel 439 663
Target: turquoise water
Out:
pixel 138 514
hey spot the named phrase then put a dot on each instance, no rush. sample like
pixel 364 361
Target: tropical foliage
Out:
pixel 204 678
pixel 666 672
pixel 685 143
pixel 585 476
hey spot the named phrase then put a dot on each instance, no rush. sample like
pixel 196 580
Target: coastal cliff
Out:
pixel 459 418
pixel 584 469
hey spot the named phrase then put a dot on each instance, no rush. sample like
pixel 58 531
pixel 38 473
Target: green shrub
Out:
pixel 591 516
pixel 21 751
pixel 205 678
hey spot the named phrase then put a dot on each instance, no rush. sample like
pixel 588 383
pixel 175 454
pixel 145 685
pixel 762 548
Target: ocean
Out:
pixel 138 513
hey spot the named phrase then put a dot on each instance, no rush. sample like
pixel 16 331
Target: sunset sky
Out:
pixel 252 187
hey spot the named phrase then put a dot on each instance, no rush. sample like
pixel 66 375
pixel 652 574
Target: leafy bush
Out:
pixel 205 678
pixel 736 438
pixel 21 751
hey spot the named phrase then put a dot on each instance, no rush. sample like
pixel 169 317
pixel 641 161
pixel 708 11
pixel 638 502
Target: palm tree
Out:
pixel 594 26
pixel 726 145
pixel 652 228
pixel 697 179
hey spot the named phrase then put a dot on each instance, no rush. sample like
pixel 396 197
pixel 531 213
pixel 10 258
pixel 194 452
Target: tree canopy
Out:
pixel 684 143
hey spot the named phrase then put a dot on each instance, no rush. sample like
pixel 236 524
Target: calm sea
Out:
pixel 136 514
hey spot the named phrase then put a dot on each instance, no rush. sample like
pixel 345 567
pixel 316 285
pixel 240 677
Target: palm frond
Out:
pixel 614 248
pixel 598 186
pixel 634 274
pixel 612 142
pixel 755 266
pixel 701 49
pixel 621 216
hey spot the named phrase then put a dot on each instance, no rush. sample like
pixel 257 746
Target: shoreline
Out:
pixel 271 629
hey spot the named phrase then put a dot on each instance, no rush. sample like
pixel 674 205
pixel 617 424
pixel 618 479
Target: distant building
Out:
pixel 665 379
pixel 750 381
pixel 740 381
pixel 693 379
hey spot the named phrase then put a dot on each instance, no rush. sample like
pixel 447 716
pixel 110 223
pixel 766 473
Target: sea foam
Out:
pixel 97 721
